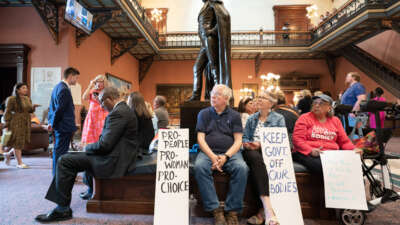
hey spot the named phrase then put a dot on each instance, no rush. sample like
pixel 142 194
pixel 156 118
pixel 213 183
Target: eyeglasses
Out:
pixel 321 103
pixel 259 98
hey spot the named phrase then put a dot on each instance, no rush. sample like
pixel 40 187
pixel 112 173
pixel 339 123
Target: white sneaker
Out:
pixel 22 166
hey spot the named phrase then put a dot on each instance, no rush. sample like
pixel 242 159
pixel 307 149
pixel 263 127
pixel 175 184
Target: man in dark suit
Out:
pixel 61 114
pixel 112 156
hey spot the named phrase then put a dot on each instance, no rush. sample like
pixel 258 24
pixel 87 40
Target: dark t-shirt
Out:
pixel 290 116
pixel 304 105
pixel 219 129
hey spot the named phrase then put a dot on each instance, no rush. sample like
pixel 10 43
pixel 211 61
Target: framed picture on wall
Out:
pixel 249 90
pixel 122 85
pixel 175 94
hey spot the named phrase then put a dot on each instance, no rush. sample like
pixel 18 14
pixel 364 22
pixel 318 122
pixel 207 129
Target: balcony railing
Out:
pixel 347 12
pixel 140 13
pixel 264 38
pixel 239 39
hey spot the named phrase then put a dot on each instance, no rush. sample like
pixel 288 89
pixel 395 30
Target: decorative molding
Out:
pixel 48 11
pixel 331 62
pixel 144 66
pixel 99 19
pixel 80 36
pixel 121 46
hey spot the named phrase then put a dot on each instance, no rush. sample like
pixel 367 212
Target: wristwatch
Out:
pixel 227 157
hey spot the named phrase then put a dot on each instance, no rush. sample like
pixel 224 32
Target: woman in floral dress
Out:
pixel 96 115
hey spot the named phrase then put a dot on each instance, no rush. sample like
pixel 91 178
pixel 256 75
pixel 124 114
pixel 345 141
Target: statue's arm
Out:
pixel 206 27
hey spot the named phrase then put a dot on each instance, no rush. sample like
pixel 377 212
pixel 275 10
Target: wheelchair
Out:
pixel 380 185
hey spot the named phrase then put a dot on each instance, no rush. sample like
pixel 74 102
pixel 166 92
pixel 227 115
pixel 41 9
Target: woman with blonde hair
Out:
pixel 154 119
pixel 96 115
pixel 265 117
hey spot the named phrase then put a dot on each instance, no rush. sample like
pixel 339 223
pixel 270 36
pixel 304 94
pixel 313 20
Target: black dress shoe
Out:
pixel 54 216
pixel 86 195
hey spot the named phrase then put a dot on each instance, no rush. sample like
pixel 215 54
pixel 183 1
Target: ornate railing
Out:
pixel 264 38
pixel 238 39
pixel 140 13
pixel 347 12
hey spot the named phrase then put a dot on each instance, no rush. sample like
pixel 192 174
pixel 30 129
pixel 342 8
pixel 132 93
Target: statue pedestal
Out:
pixel 189 111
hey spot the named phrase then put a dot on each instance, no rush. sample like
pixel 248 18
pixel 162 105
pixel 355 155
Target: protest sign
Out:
pixel 172 184
pixel 282 181
pixel 343 180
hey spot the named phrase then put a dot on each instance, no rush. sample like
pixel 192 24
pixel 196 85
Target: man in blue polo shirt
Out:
pixel 220 136
pixel 353 95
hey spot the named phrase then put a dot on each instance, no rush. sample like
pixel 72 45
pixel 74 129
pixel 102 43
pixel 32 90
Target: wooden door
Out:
pixel 294 15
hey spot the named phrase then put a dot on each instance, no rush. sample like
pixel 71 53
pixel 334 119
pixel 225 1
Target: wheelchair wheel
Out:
pixel 352 217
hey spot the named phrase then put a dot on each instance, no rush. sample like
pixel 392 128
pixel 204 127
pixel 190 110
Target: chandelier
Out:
pixel 246 93
pixel 156 15
pixel 312 11
pixel 270 82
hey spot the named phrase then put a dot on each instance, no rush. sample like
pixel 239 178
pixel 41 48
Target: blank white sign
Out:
pixel 343 180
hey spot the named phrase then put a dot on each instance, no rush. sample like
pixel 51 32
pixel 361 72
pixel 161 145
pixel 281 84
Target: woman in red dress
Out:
pixel 96 115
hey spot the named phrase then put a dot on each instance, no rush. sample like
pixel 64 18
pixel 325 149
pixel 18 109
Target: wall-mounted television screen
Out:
pixel 78 16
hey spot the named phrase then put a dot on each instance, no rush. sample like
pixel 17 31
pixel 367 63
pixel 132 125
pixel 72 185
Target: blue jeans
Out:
pixel 238 170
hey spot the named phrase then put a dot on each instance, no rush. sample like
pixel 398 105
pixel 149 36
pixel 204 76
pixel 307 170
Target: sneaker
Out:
pixel 219 218
pixel 22 166
pixel 232 218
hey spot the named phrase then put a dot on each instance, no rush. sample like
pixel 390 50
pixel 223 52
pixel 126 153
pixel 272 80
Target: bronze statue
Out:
pixel 215 53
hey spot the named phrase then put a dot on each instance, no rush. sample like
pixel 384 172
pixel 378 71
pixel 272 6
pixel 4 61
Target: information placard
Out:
pixel 43 80
pixel 343 180
pixel 172 184
pixel 282 181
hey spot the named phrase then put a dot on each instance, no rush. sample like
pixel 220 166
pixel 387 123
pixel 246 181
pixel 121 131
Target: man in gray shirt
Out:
pixel 160 111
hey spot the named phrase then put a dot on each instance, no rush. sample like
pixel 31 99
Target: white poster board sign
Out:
pixel 43 80
pixel 172 184
pixel 343 180
pixel 282 181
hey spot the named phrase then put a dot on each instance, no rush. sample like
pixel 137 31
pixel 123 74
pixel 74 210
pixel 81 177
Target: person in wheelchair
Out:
pixel 317 131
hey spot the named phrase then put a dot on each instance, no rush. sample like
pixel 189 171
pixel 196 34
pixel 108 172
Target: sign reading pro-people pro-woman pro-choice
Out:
pixel 282 181
pixel 172 184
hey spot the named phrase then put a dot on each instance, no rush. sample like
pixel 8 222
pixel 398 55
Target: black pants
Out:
pixel 68 167
pixel 313 164
pixel 258 171
pixel 88 180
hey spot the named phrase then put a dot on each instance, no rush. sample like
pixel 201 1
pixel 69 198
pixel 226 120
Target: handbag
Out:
pixel 5 137
pixel 368 143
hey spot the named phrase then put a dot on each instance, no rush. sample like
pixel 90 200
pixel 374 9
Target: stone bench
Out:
pixel 135 193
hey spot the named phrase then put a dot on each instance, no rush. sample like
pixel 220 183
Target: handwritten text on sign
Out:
pixel 343 180
pixel 282 181
pixel 172 184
